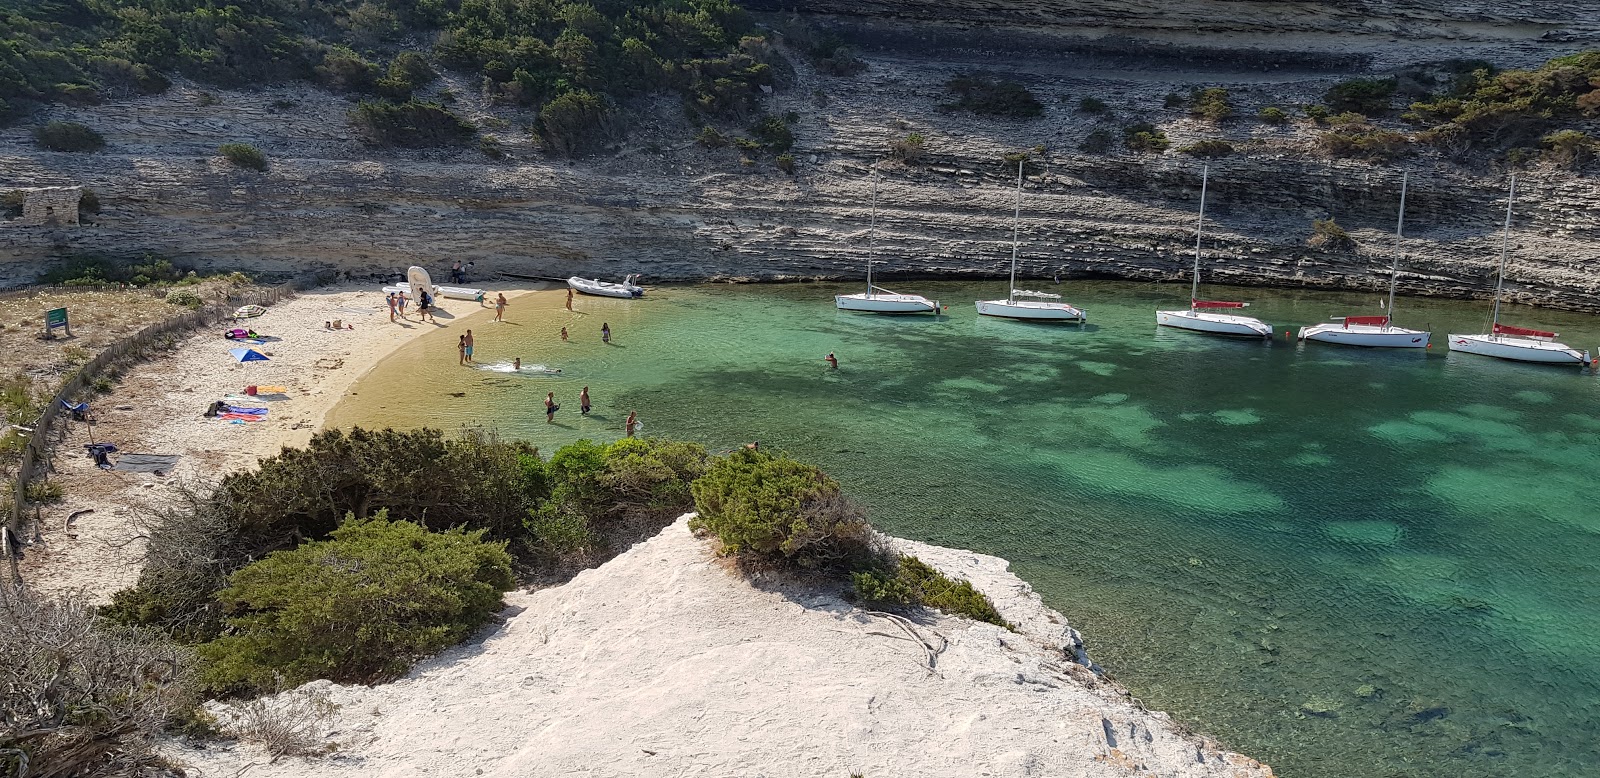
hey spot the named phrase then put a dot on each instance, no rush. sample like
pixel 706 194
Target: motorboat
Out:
pixel 628 289
pixel 448 292
pixel 1374 331
pixel 1032 306
pixel 1201 316
pixel 876 299
pixel 1515 343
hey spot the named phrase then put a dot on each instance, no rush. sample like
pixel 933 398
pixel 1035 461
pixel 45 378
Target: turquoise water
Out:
pixel 1342 562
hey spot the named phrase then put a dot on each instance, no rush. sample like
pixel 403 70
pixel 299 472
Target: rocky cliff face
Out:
pixel 674 211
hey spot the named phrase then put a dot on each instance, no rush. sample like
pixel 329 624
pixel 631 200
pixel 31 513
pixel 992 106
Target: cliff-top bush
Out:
pixel 1568 149
pixel 1369 96
pixel 910 581
pixel 68 136
pixel 1145 137
pixel 988 97
pixel 357 608
pixel 576 123
pixel 774 511
pixel 1514 108
pixel 244 155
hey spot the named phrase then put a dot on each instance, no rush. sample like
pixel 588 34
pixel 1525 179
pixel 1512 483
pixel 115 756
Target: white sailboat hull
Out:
pixel 604 288
pixel 885 303
pixel 1368 335
pixel 1519 349
pixel 1030 310
pixel 1215 323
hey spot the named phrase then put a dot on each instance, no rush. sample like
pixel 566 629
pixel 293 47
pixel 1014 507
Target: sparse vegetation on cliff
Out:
pixel 1327 235
pixel 1210 148
pixel 1512 109
pixel 244 155
pixel 1367 96
pixel 1145 137
pixel 1210 104
pixel 988 97
pixel 908 149
pixel 1355 138
pixel 68 136
pixel 410 124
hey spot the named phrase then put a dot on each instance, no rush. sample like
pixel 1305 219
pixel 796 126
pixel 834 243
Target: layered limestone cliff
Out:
pixel 672 210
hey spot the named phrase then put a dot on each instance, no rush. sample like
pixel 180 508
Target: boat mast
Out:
pixel 1505 253
pixel 1399 228
pixel 1016 219
pixel 1199 227
pixel 872 232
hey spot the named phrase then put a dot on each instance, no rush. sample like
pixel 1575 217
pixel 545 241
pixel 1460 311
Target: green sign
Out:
pixel 56 318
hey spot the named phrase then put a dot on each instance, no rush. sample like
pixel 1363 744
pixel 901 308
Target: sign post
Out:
pixel 56 317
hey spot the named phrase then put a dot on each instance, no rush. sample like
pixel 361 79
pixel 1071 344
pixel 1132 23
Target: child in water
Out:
pixel 563 334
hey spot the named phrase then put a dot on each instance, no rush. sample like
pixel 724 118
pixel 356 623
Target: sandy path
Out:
pixel 157 409
pixel 662 662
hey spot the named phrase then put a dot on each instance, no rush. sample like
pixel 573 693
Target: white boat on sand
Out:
pixel 1035 306
pixel 1373 331
pixel 1200 316
pixel 628 289
pixel 1515 343
pixel 877 299
pixel 448 292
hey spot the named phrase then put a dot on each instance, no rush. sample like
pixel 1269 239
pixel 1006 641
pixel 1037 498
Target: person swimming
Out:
pixel 833 361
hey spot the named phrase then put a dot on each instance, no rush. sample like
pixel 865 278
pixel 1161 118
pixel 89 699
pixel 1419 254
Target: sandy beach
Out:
pixel 158 405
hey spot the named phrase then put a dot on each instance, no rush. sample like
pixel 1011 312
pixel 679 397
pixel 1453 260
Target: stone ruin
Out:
pixel 53 206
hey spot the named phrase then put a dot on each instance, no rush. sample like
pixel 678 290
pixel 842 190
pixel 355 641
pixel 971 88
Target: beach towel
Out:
pixel 241 417
pixel 250 411
pixel 145 463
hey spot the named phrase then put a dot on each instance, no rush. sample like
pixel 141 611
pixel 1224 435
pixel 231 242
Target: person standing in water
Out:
pixel 569 298
pixel 605 332
pixel 550 408
pixel 461 350
pixel 468 339
pixel 583 401
pixel 632 423
pixel 500 306
pixel 833 361
pixel 516 364
pixel 563 334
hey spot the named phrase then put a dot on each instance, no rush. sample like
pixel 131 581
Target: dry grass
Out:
pixel 293 723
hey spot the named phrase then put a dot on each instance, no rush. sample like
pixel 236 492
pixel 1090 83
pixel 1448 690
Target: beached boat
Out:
pixel 1515 343
pixel 1034 306
pixel 1374 331
pixel 1201 316
pixel 877 299
pixel 628 289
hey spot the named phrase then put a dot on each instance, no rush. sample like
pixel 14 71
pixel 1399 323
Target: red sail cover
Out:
pixel 1376 321
pixel 1505 329
pixel 1214 304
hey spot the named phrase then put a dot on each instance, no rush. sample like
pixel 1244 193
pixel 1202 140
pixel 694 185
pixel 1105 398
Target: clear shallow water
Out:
pixel 1342 562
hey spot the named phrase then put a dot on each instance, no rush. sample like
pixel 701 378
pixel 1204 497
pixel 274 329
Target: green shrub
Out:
pixel 1273 115
pixel 1318 113
pixel 68 136
pixel 44 492
pixel 410 124
pixel 1512 108
pixel 1173 100
pixel 908 149
pixel 711 138
pixel 88 202
pixel 774 134
pixel 1210 104
pixel 576 123
pixel 1210 148
pixel 490 146
pixel 244 155
pixel 1363 141
pixel 358 608
pixel 981 95
pixel 186 298
pixel 1097 142
pixel 1329 236
pixel 1569 149
pixel 343 70
pixel 910 581
pixel 1369 96
pixel 777 512
pixel 1145 137
pixel 1093 105
pixel 785 162
pixel 408 72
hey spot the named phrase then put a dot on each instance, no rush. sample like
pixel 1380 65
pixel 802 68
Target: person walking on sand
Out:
pixel 569 298
pixel 833 361
pixel 550 408
pixel 461 350
pixel 400 302
pixel 391 307
pixel 563 334
pixel 425 306
pixel 605 332
pixel 632 423
pixel 583 401
pixel 500 306
pixel 468 338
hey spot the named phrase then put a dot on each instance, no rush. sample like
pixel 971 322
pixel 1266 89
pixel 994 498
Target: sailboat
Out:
pixel 877 299
pixel 1374 331
pixel 1517 343
pixel 1035 306
pixel 1199 316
